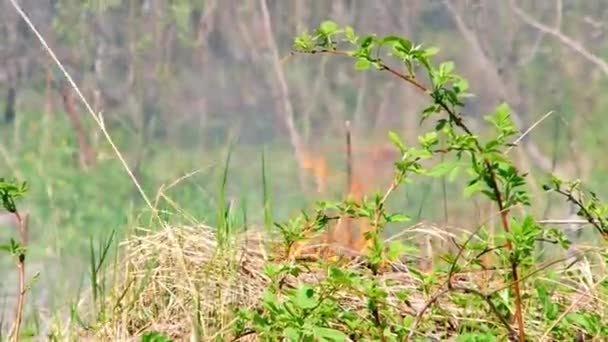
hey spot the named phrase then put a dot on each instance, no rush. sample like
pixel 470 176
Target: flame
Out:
pixel 347 234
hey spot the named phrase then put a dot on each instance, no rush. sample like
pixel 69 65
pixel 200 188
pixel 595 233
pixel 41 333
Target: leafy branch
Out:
pixel 586 201
pixel 496 177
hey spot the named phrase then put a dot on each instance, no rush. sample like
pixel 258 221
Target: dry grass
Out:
pixel 154 294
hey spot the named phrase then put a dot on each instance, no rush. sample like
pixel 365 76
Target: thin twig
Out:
pixel 563 222
pixel 467 290
pixel 349 158
pixel 536 271
pixel 598 223
pixel 524 134
pixel 349 178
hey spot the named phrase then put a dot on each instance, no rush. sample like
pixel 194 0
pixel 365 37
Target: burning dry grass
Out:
pixel 181 282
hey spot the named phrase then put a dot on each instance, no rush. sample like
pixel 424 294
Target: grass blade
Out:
pixel 266 195
pixel 222 210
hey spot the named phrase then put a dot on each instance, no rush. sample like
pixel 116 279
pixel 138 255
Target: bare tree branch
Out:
pixel 541 34
pixel 285 106
pixel 500 86
pixel 557 34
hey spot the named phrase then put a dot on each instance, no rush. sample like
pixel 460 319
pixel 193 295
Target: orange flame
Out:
pixel 347 234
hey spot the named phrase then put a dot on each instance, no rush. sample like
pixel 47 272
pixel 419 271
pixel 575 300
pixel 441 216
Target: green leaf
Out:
pixel 476 337
pixel 328 334
pixel 461 86
pixel 305 298
pixel 271 270
pixel 270 300
pixel 581 320
pixel 154 336
pixel 428 139
pixel 362 64
pixel 304 42
pixel 6 248
pixel 471 189
pixel 431 51
pixel 367 41
pixel 350 34
pixel 446 67
pixel 398 218
pixel 442 169
pixel 399 43
pixel 394 138
pixel 454 173
pixel 291 334
pixel 396 249
pixel 501 119
pixel 328 27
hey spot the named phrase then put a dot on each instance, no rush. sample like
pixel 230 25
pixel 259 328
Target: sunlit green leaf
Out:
pixel 305 298
pixel 292 334
pixel 394 138
pixel 471 189
pixel 396 249
pixel 328 334
pixel 442 169
pixel 328 27
pixel 362 64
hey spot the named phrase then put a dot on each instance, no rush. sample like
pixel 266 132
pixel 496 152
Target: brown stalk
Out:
pixel 23 235
pixel 349 159
pixel 349 180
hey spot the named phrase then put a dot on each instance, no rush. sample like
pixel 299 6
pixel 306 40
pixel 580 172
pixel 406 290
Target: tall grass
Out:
pixel 224 212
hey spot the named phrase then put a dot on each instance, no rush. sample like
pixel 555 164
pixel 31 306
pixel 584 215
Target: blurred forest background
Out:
pixel 178 82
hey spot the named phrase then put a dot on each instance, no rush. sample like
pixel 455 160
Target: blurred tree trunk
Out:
pixel 86 154
pixel 9 107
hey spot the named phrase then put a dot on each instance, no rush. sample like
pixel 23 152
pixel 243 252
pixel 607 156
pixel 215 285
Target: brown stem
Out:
pixel 516 288
pixel 349 158
pixel 504 218
pixel 599 224
pixel 22 221
pixel 349 181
